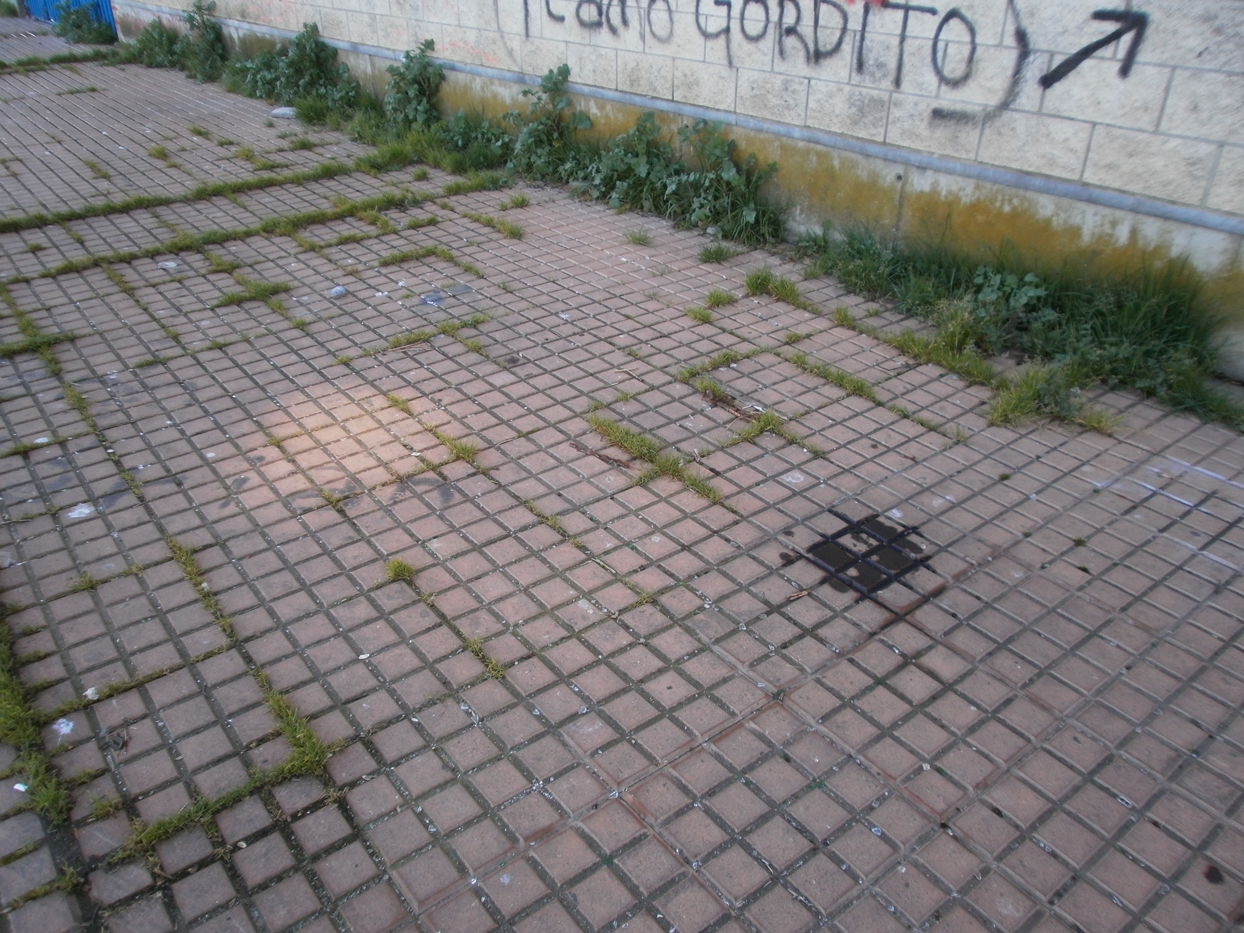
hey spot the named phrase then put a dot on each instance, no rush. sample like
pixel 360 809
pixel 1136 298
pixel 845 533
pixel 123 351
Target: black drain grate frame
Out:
pixel 869 554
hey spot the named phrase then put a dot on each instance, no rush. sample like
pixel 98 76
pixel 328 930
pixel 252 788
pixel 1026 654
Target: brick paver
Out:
pixel 906 670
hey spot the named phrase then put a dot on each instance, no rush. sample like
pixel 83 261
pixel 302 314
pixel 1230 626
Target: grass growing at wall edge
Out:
pixel 1152 331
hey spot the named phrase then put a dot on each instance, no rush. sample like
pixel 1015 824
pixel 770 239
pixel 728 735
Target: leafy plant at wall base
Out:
pixel 201 48
pixel 635 169
pixel 157 46
pixel 1152 331
pixel 79 24
pixel 302 69
pixel 413 86
pixel 544 147
pixel 725 194
pixel 640 171
pixel 469 142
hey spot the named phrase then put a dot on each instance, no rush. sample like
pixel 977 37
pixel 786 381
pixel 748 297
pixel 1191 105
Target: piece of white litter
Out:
pixel 91 693
pixel 63 726
pixel 284 113
pixel 81 511
pixel 20 788
pixel 894 513
pixel 168 264
pixel 364 657
pixel 793 477
pixel 41 440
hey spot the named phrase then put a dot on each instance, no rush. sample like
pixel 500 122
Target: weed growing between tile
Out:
pixel 46 794
pixel 764 281
pixel 308 756
pixel 495 669
pixel 852 385
pixel 203 192
pixel 660 461
pixel 504 227
pixel 51 796
pixel 1149 330
pixel 35 341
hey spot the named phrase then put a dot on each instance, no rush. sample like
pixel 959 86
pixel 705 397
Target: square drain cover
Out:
pixel 868 554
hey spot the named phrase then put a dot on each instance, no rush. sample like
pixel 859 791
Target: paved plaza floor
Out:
pixel 371 566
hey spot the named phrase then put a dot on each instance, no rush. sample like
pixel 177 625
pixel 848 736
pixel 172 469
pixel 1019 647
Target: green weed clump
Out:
pixel 495 668
pixel 398 571
pixel 304 71
pixel 765 281
pixel 717 252
pixel 78 24
pixel 19 730
pixel 661 462
pixel 157 46
pixel 546 146
pixel 702 184
pixel 199 50
pixel 413 86
pixel 1151 330
pixel 504 227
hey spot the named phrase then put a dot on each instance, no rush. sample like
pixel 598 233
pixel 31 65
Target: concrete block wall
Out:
pixel 1072 127
pixel 1147 98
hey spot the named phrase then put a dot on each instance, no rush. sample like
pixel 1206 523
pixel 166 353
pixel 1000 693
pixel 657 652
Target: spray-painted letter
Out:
pixel 939 65
pixel 785 31
pixel 819 54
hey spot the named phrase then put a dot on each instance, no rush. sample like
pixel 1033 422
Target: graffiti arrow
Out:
pixel 1131 22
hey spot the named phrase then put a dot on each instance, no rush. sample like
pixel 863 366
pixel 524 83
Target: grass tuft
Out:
pixel 398 571
pixel 852 385
pixel 717 361
pixel 551 520
pixel 504 227
pixel 252 290
pixel 1152 329
pixel 495 669
pixel 717 252
pixel 45 793
pixel 649 450
pixel 409 338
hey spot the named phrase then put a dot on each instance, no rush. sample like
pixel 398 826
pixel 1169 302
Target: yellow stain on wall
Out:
pixel 821 185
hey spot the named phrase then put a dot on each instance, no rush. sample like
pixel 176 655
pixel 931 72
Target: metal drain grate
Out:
pixel 868 554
